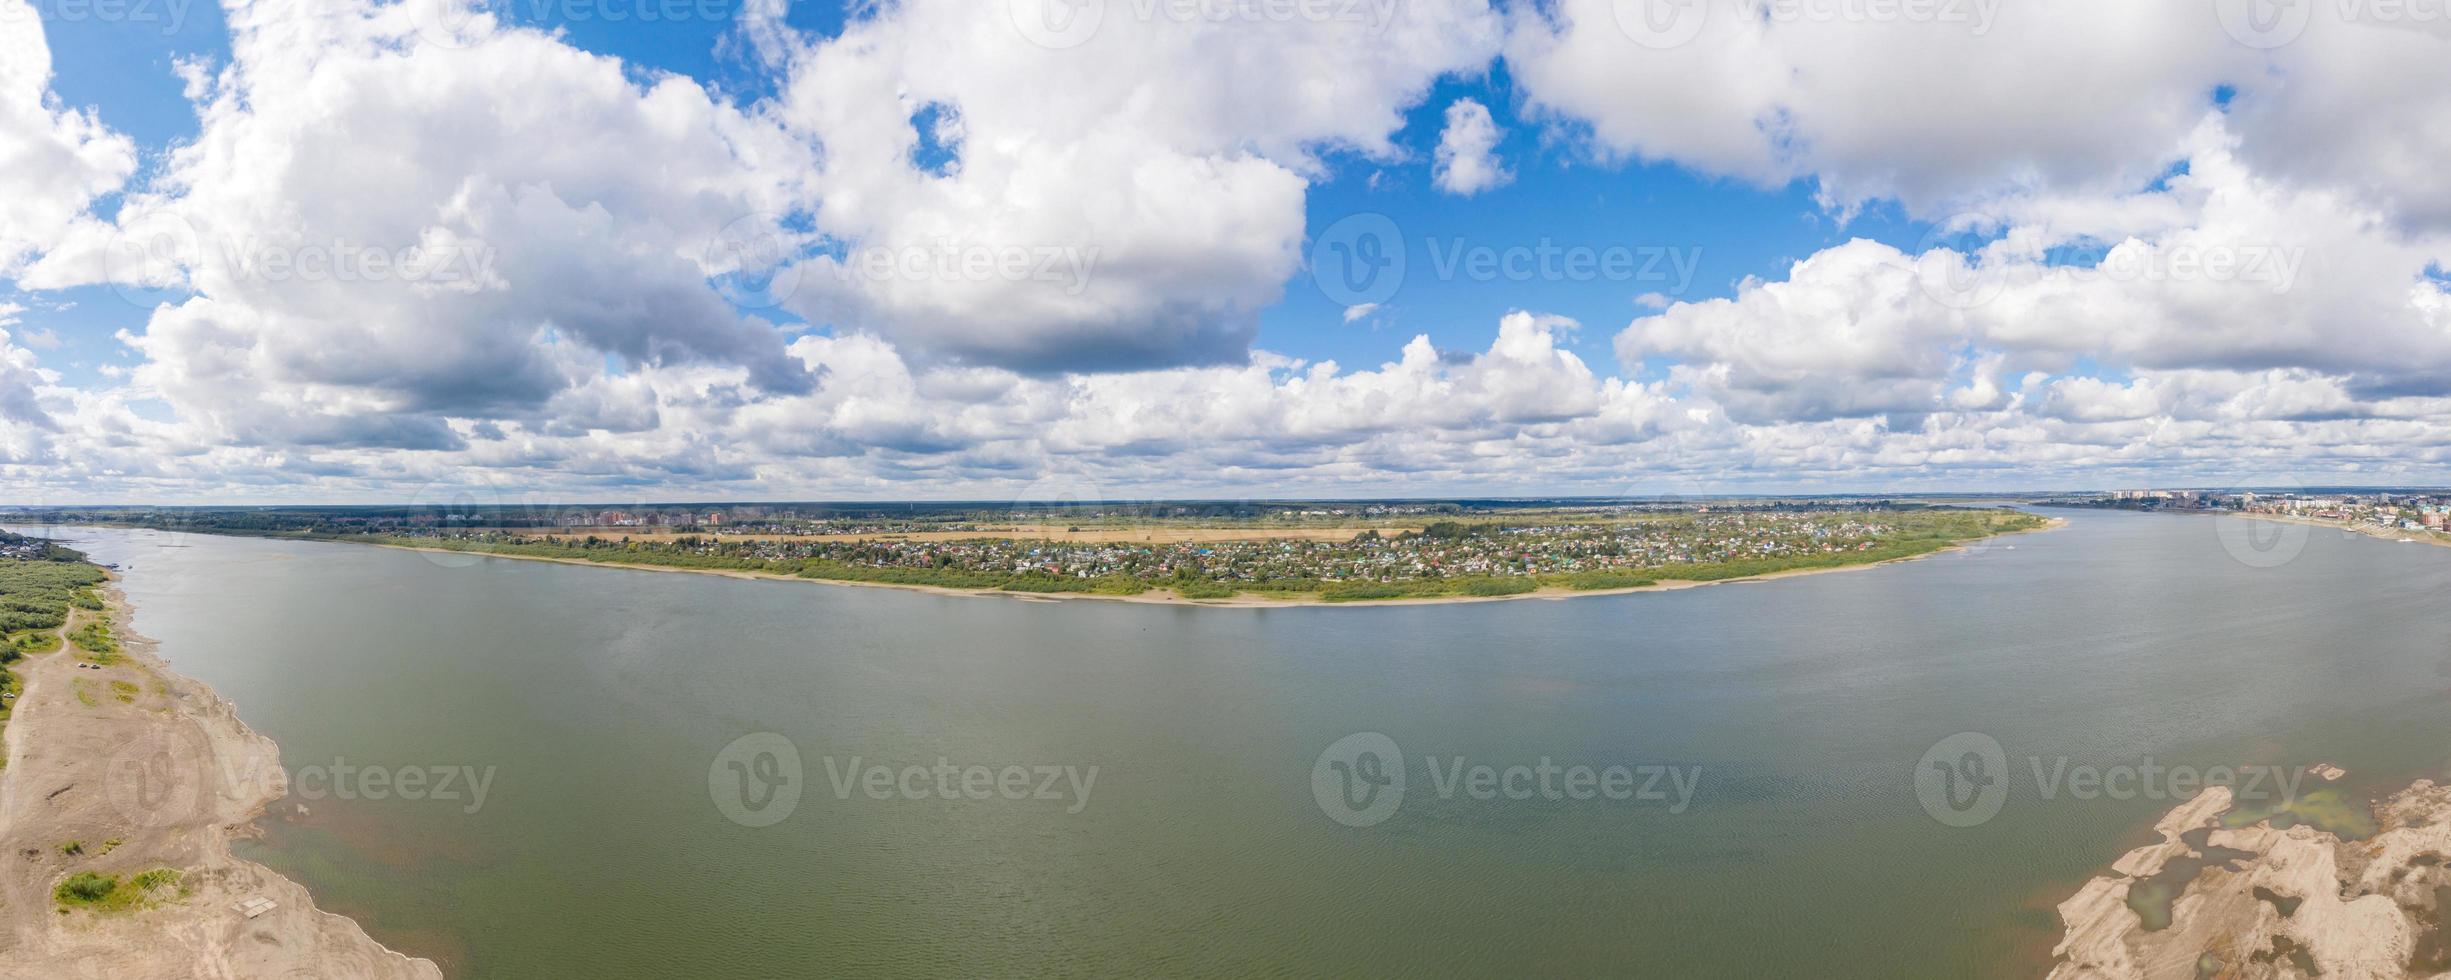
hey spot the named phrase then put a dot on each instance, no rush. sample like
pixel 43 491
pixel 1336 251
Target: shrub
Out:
pixel 1499 586
pixel 86 888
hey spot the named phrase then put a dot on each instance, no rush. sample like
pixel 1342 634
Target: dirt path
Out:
pixel 155 771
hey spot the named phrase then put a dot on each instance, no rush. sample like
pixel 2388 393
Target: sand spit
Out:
pixel 154 771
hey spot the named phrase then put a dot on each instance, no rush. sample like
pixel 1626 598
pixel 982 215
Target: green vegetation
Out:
pixel 40 583
pixel 86 888
pixel 1362 592
pixel 1202 589
pixel 94 637
pixel 85 693
pixel 157 879
pixel 124 691
pixel 73 848
pixel 28 643
pixel 107 893
pixel 1600 581
pixel 36 594
pixel 1474 549
pixel 1498 586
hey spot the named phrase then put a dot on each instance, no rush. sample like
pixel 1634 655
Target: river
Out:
pixel 626 829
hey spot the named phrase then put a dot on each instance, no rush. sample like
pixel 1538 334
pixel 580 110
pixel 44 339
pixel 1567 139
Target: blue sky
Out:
pixel 1669 218
pixel 1811 247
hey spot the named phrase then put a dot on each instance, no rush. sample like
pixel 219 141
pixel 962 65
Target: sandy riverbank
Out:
pixel 2369 530
pixel 153 771
pixel 1245 600
pixel 2259 902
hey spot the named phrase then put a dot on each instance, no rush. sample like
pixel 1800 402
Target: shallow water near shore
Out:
pixel 600 700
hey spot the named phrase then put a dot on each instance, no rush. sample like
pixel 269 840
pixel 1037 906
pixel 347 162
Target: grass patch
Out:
pixel 34 641
pixel 1197 589
pixel 1596 581
pixel 156 879
pixel 1361 592
pixel 85 693
pixel 95 638
pixel 73 848
pixel 124 691
pixel 1517 585
pixel 107 893
pixel 15 687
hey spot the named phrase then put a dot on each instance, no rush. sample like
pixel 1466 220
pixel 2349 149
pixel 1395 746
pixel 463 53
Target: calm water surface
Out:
pixel 600 698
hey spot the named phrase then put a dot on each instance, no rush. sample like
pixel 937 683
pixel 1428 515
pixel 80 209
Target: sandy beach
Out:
pixel 143 769
pixel 1244 600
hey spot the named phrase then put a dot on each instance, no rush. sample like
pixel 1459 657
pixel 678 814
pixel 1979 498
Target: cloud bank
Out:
pixel 412 246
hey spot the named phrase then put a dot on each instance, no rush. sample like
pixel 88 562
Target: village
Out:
pixel 1440 550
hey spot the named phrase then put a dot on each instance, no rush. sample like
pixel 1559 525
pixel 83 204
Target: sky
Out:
pixel 633 250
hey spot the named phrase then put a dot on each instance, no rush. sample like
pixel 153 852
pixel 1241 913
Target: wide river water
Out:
pixel 601 702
